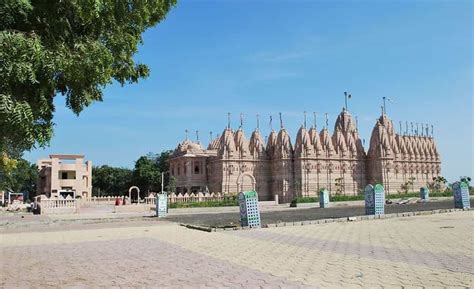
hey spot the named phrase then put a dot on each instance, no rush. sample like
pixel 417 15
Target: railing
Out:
pixel 172 198
pixel 58 203
pixel 150 201
pixel 198 197
pixel 103 199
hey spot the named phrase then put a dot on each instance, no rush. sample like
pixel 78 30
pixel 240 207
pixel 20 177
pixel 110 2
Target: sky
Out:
pixel 208 58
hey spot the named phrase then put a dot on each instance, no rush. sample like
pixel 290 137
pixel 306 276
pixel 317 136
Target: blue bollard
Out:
pixel 323 198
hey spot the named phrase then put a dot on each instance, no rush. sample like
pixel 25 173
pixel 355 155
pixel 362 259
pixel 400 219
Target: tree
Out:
pixel 171 187
pixel 147 175
pixel 465 179
pixel 67 47
pixel 110 181
pixel 438 183
pixel 408 185
pixel 339 186
pixel 20 179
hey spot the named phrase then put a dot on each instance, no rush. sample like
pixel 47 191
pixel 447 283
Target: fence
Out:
pixel 199 197
pixel 57 205
pixel 108 200
pixel 172 198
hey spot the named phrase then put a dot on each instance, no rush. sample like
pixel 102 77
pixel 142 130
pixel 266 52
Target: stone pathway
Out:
pixel 434 251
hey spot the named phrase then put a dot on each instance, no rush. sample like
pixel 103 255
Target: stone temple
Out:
pixel 317 159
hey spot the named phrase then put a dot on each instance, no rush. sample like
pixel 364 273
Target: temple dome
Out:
pixel 339 142
pixel 303 146
pixel 271 143
pixel 326 141
pixel 344 122
pixel 283 143
pixel 256 145
pixel 241 143
pixel 227 143
pixel 214 144
pixel 194 147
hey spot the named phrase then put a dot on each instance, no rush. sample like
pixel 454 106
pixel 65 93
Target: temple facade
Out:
pixel 318 159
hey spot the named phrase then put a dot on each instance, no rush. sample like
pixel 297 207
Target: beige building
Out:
pixel 318 159
pixel 65 175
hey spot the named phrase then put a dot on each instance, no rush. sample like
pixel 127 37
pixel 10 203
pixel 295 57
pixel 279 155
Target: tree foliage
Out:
pixel 21 178
pixel 69 47
pixel 110 181
pixel 147 175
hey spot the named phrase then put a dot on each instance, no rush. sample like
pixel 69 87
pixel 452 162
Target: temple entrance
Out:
pixel 245 182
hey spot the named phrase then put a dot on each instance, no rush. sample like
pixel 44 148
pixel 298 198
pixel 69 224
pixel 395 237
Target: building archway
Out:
pixel 245 182
pixel 130 194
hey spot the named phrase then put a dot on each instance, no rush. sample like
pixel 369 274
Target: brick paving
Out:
pixel 434 251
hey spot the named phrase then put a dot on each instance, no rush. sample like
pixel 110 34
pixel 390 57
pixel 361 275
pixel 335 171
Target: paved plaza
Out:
pixel 423 251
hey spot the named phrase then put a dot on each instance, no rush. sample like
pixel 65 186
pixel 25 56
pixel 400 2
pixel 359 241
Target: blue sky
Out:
pixel 264 57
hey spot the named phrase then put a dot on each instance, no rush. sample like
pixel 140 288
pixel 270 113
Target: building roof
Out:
pixel 66 156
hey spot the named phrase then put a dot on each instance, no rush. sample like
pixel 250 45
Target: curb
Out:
pixel 327 221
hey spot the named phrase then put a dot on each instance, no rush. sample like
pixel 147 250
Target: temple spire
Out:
pixel 401 132
pixel 411 123
pixel 228 120
pixel 186 134
pixel 406 127
pixel 271 124
pixel 432 133
pixel 210 135
pixel 258 121
pixel 241 120
pixel 281 121
pixel 327 121
pixel 197 136
pixel 314 119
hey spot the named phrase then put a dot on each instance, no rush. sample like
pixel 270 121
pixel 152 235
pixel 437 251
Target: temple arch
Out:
pixel 245 182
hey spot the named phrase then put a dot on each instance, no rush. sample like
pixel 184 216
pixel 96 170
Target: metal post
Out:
pixel 345 100
pixel 327 122
pixel 281 121
pixel 228 120
pixel 162 183
pixel 258 121
pixel 314 116
pixel 383 108
pixel 304 119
